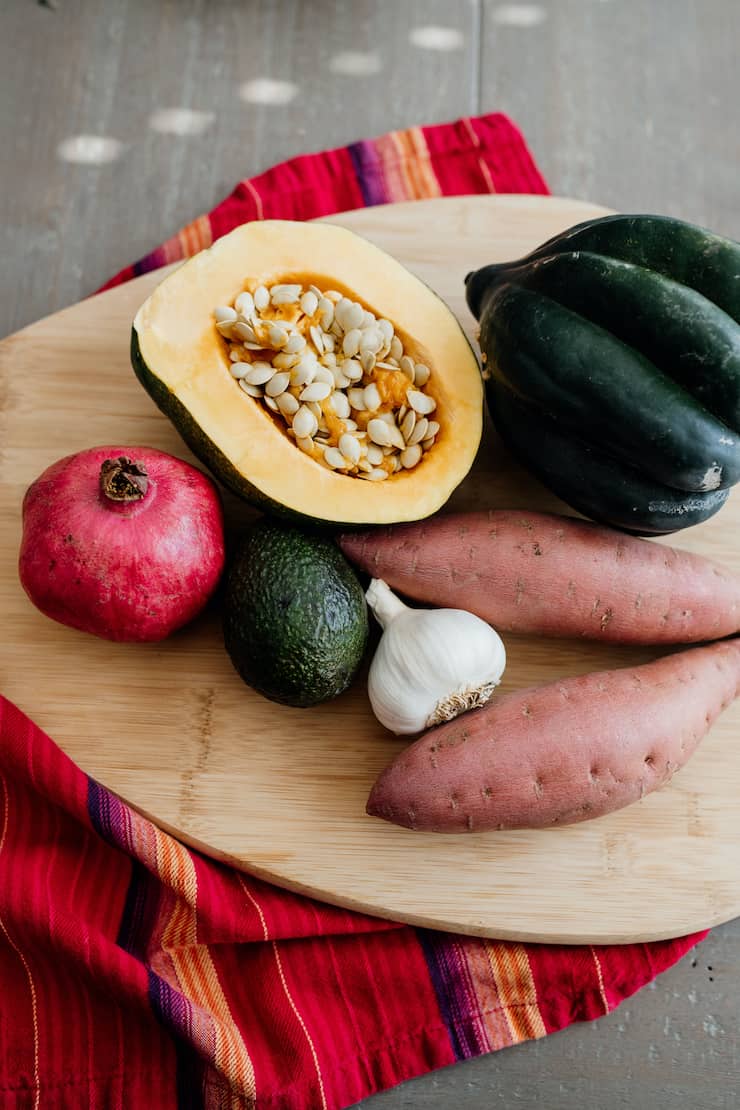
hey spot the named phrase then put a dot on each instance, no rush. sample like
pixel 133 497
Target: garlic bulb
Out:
pixel 431 664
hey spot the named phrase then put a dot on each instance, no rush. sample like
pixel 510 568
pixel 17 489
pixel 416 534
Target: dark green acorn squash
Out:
pixel 612 354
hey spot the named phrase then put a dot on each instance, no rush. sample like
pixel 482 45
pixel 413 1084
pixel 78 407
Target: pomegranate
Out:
pixel 124 542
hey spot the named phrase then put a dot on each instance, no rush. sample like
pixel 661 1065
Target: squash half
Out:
pixel 182 362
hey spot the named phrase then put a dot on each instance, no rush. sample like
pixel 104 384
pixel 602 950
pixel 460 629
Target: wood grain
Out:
pixel 281 791
pixel 631 104
pixel 105 68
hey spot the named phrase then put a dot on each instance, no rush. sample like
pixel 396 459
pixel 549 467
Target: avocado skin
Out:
pixel 295 618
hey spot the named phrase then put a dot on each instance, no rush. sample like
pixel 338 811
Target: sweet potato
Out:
pixel 554 576
pixel 560 753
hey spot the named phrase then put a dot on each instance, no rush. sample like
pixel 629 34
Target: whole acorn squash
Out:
pixel 252 438
pixel 612 354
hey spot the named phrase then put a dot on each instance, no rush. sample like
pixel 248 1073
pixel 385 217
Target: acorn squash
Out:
pixel 279 441
pixel 612 354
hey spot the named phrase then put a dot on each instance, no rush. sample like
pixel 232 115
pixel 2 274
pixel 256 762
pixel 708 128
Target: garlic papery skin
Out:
pixel 431 664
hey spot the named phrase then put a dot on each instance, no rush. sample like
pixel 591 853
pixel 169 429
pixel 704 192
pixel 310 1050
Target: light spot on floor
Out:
pixel 436 38
pixel 266 90
pixel 180 121
pixel 89 150
pixel 519 15
pixel 712 1027
pixel 356 63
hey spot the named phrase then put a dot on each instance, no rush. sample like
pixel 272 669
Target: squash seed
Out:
pixel 367 361
pixel 340 404
pixel 421 402
pixel 334 458
pixel 304 371
pixel 385 327
pixel 288 295
pixel 340 382
pixel 305 443
pixel 278 384
pixel 252 390
pixel 351 369
pixel 225 315
pixel 315 408
pixel 259 373
pixel 309 303
pixel 285 361
pixel 350 447
pixel 356 398
pixel 355 317
pixel 288 404
pixel 261 298
pixel 374 454
pixel 316 391
pixel 278 336
pixel 324 374
pixel 305 423
pixel 351 342
pixel 419 432
pixel 432 428
pixel 377 475
pixel 427 443
pixel 396 348
pixel 271 404
pixel 407 365
pixel 379 432
pixel 410 456
pixel 239 369
pixel 318 338
pixel 396 439
pixel 244 304
pixel 371 341
pixel 371 397
pixel 295 343
pixel 244 331
pixel 340 313
pixel 407 424
pixel 421 374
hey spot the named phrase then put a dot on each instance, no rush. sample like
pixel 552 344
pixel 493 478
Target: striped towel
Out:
pixel 136 973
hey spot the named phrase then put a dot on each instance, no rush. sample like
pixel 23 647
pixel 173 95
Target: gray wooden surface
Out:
pixel 628 103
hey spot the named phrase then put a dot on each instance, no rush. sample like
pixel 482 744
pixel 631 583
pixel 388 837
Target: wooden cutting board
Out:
pixel 281 792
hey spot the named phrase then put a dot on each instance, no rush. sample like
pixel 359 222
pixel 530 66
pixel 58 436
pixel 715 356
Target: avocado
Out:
pixel 295 618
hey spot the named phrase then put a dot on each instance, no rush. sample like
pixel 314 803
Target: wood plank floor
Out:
pixel 120 120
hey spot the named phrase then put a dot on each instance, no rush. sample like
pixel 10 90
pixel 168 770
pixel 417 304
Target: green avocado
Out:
pixel 295 618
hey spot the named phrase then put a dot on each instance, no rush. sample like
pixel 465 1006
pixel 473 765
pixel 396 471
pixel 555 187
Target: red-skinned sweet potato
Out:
pixel 554 576
pixel 560 753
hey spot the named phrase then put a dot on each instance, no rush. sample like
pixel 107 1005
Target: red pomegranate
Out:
pixel 124 542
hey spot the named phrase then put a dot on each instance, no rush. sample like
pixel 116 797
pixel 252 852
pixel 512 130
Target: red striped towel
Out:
pixel 136 973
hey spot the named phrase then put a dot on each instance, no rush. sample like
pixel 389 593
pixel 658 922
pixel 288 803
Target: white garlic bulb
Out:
pixel 430 664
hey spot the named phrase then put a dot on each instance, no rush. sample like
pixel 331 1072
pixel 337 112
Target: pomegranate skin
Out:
pixel 125 570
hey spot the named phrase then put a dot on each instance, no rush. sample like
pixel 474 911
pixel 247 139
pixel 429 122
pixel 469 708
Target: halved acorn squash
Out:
pixel 183 361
